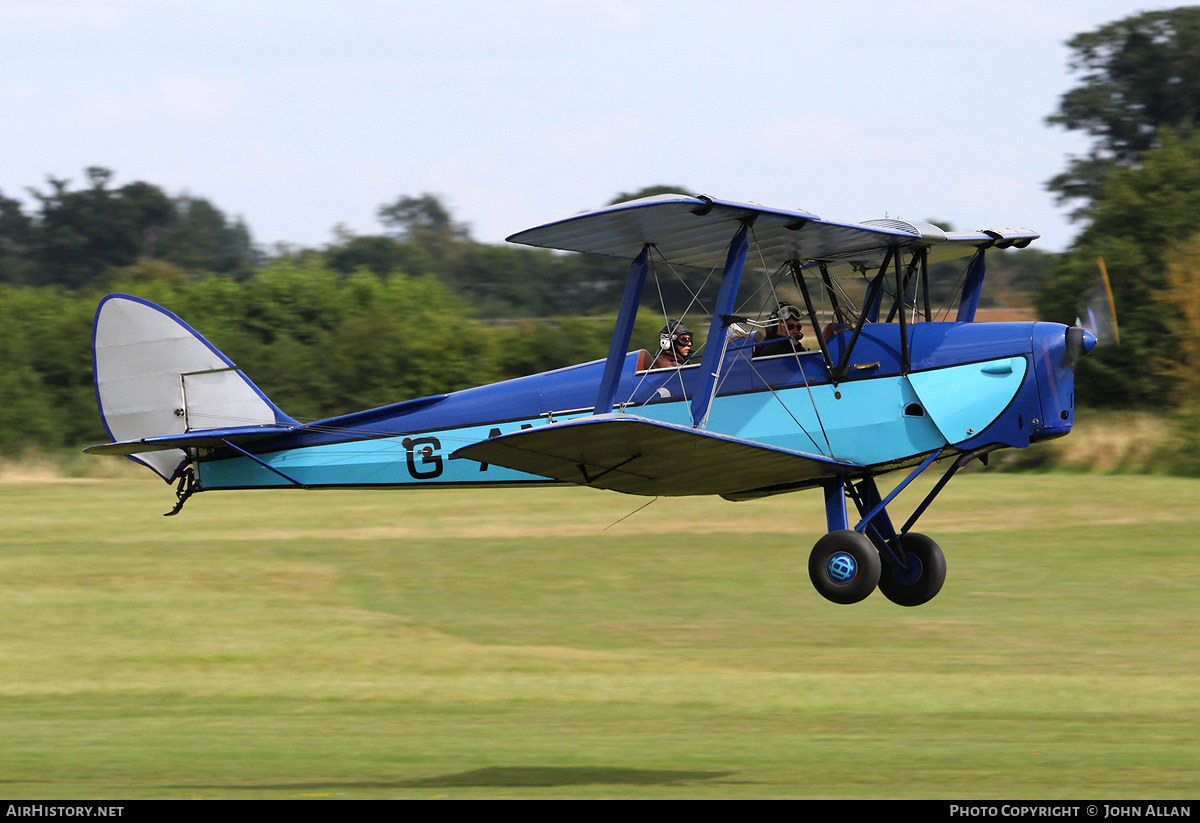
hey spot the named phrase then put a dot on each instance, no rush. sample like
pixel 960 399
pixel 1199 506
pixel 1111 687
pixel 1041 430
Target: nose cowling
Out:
pixel 1056 349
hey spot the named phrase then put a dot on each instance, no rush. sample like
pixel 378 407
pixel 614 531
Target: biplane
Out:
pixel 885 384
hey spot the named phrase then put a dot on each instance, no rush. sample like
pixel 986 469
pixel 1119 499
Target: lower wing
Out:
pixel 635 455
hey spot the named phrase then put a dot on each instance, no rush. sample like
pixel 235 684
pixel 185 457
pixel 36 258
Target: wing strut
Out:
pixel 714 346
pixel 900 305
pixel 623 333
pixel 870 311
pixel 971 289
pixel 798 278
pixel 839 316
pixel 925 284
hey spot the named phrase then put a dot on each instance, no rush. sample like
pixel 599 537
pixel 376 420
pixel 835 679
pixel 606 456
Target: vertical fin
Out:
pixel 155 375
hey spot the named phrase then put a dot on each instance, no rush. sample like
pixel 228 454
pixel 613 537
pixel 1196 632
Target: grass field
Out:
pixel 508 644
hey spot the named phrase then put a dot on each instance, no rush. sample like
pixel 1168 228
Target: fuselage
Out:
pixel 967 385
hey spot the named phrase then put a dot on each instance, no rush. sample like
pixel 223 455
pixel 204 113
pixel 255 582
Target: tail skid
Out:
pixel 162 388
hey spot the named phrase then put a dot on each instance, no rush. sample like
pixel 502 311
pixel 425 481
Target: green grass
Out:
pixel 508 644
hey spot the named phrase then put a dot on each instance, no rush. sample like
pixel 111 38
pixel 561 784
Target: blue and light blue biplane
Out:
pixel 890 384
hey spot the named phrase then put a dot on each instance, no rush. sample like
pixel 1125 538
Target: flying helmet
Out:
pixel 671 333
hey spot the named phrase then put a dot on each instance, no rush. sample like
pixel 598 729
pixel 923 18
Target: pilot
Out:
pixel 785 333
pixel 674 344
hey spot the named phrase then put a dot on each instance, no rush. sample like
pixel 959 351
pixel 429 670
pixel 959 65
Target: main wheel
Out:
pixel 923 578
pixel 844 566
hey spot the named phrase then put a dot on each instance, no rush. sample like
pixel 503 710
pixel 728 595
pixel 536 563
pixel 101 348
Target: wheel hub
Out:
pixel 910 575
pixel 841 567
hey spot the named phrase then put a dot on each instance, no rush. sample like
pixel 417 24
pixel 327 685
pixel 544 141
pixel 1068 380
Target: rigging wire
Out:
pixel 678 375
pixel 695 295
pixel 811 399
pixel 770 282
pixel 775 394
pixel 631 514
pixel 948 301
pixel 851 308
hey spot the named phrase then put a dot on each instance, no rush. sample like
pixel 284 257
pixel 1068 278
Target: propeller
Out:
pixel 1099 321
pixel 1100 310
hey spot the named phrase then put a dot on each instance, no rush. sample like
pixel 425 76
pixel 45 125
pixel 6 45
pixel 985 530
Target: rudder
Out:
pixel 158 377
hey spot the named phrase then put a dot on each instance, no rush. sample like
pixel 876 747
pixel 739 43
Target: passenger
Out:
pixel 785 335
pixel 674 344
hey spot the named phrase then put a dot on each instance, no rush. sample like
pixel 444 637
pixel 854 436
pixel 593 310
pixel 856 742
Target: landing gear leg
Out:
pixel 844 566
pixel 914 568
pixel 847 564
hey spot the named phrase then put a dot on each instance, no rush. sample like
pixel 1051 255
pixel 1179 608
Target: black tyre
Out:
pixel 844 566
pixel 923 578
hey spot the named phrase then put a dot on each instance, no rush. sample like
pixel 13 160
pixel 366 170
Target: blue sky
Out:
pixel 302 115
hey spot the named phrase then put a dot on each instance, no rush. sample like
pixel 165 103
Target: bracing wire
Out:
pixel 631 514
pixel 770 283
pixel 948 301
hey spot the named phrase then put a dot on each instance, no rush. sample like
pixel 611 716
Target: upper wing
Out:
pixel 695 231
pixel 634 455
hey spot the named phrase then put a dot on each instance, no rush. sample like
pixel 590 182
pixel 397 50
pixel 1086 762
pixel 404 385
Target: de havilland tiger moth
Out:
pixel 888 384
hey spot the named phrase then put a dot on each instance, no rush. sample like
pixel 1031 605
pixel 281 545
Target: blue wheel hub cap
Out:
pixel 910 575
pixel 841 567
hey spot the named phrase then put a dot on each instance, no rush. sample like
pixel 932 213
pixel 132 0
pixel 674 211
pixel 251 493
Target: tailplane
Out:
pixel 162 388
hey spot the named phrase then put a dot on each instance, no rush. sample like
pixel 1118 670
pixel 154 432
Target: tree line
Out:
pixel 1137 193
pixel 74 237
pixel 317 341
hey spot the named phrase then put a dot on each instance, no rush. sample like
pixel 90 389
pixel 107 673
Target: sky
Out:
pixel 305 115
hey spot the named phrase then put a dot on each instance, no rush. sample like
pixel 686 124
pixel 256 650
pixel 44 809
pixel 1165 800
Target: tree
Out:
pixel 1182 300
pixel 46 394
pixel 15 231
pixel 1140 74
pixel 199 238
pixel 427 221
pixel 381 255
pixel 1138 215
pixel 76 237
pixel 79 234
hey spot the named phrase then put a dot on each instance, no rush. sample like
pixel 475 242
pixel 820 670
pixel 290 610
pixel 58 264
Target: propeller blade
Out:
pixel 1099 316
pixel 1112 306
